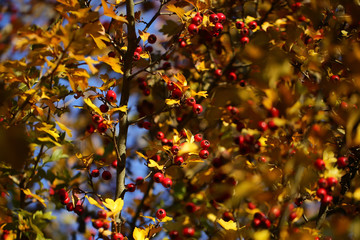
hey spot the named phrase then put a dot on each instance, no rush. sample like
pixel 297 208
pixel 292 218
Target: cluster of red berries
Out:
pixel 137 53
pixel 191 102
pixel 65 200
pixel 244 31
pixel 204 144
pixel 101 222
pixel 98 119
pixel 261 221
pixel 325 189
pixel 247 144
pixel 159 178
pixel 106 175
pixel 186 232
pixel 143 85
pixel 217 21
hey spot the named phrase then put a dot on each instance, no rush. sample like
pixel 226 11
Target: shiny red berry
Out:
pixel 114 163
pixel 79 209
pixel 111 96
pixel 222 17
pixel 232 77
pixel 244 40
pixel 152 39
pixel 158 177
pixel 321 192
pixel 262 126
pixel 178 160
pixel 188 232
pixel 218 27
pixel 327 199
pixel 240 24
pixel 136 56
pixel 214 18
pixel 131 187
pixel 166 182
pixel 320 164
pixel 117 236
pixel 106 175
pixel 331 181
pixel 198 137
pixel 322 183
pixel 244 32
pixel 205 144
pixel 193 29
pixel 102 127
pixel 197 108
pixel 97 119
pixel 95 173
pixel 160 135
pixel 174 234
pixel 252 25
pixel 218 73
pixel 190 101
pixel 98 223
pixel 197 20
pixel 138 49
pixel 335 78
pixel 102 214
pixel 342 162
pixel 70 207
pixel 160 214
pixel 104 108
pixel 204 154
pixel 175 149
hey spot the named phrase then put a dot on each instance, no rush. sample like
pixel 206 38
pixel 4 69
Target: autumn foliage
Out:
pixel 179 119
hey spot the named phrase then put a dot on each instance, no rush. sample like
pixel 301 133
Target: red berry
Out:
pixel 256 222
pixel 222 17
pixel 160 135
pixel 173 234
pixel 205 144
pixel 138 49
pixel 106 175
pixel 218 27
pixel 240 24
pixel 102 127
pixel 218 73
pixel 327 199
pixel 188 232
pixel 321 192
pixel 160 214
pixel 214 18
pixel 197 108
pixel 104 108
pixel 171 85
pixel 296 6
pixel 252 25
pixel 131 187
pixel 232 76
pixel 136 56
pixel 102 214
pixel 90 128
pixel 111 96
pixel 175 149
pixel 97 119
pixel 117 236
pixel 191 101
pixel 152 39
pixel 112 54
pixel 166 182
pixel 244 32
pixel 158 177
pixel 190 207
pixel 178 160
pixel 274 112
pixel 98 224
pixel 204 154
pixel 149 49
pixel 176 93
pixel 275 212
pixel 63 193
pixel 198 137
pixel 139 180
pixel 272 125
pixel 292 216
pixel 322 183
pixel 262 126
pixel 156 158
pixel 146 125
pixel 193 29
pixel 143 85
pixel 227 216
pixel 70 207
pixel 320 164
pixel 79 209
pixel 335 78
pixel 342 162
pixel 262 159
pixel 146 92
pixel 183 44
pixel 251 205
pixel 114 163
pixel 244 40
pixel 65 201
pixel 331 181
pixel 197 20
pixel 95 173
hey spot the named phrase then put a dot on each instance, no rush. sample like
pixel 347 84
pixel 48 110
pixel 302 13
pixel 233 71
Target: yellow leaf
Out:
pixel 201 4
pixel 140 233
pixel 114 63
pixel 87 160
pixel 77 78
pixel 181 79
pixel 201 93
pixel 188 147
pixel 98 41
pixel 299 212
pixel 144 54
pixel 69 3
pixel 48 139
pixel 271 96
pixel 200 66
pixel 262 235
pixel 154 164
pixel 94 202
pixel 177 10
pixel 64 128
pixel 90 62
pixel 141 155
pixel 29 193
pixel 166 219
pixel 109 11
pixel 172 101
pixel 144 35
pixel 230 225
pixel 48 128
pixel 114 206
pixel 152 218
pixel 92 106
pixel 356 194
pixel 121 109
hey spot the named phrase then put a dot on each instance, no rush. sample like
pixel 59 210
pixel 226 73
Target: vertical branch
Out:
pixel 125 92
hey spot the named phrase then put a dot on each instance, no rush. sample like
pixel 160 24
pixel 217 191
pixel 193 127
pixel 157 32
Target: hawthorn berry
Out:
pixel 320 164
pixel 198 137
pixel 173 234
pixel 117 236
pixel 292 216
pixel 114 163
pixel 274 212
pixel 252 25
pixel 143 85
pixel 244 40
pixel 251 205
pixel 131 187
pixel 244 32
pixel 139 180
pixel 79 209
pixel 176 93
pixel 240 24
pixel 262 126
pixel 98 223
pixel 190 101
pixel 197 20
pixel 160 135
pixel 342 162
pixel 335 78
pixel 296 6
pixel 111 96
pixel 171 85
pixel 272 125
pixel 95 173
pixel 204 154
pixel 190 207
pixel 178 160
pixel 218 27
pixel 102 127
pixel 321 192
pixel 104 108
pixel 193 29
pixel 147 125
pixel 158 177
pixel 227 216
pixel 331 181
pixel 327 199
pixel 182 44
pixel 160 214
pixel 101 214
pixel 156 158
pixel 97 119
pixel 218 73
pixel 232 76
pixel 214 18
pixel 90 128
pixel 322 183
pixel 138 49
pixel 70 206
pixel 188 232
pixel 175 149
pixel 197 108
pixel 65 201
pixel 274 112
pixel 146 92
pixel 166 182
pixel 106 175
pixel 205 144
pixel 136 56
pixel 152 39
pixel 222 17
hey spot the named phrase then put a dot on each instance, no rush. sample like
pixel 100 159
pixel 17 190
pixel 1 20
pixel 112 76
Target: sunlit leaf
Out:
pixel 92 106
pixel 230 225
pixel 143 35
pixel 94 202
pixel 119 109
pixel 262 235
pixel 154 164
pixel 109 11
pixel 201 93
pixel 114 206
pixel 188 147
pixel 87 160
pixel 64 128
pixel 29 193
pixel 177 10
pixel 152 218
pixel 166 219
pixel 172 101
pixel 114 63
pixel 140 233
